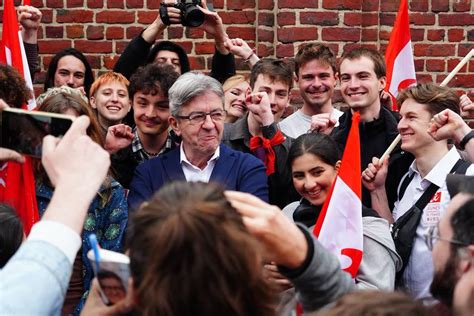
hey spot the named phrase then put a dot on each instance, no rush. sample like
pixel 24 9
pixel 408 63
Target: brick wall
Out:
pixel 442 30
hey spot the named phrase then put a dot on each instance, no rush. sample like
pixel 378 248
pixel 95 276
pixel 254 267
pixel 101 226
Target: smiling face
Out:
pixel 312 177
pixel 278 94
pixel 316 81
pixel 200 139
pixel 111 102
pixel 70 72
pixel 413 127
pixel 360 86
pixel 235 101
pixel 151 113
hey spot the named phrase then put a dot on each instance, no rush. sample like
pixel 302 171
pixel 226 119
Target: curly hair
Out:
pixel 190 254
pixel 13 89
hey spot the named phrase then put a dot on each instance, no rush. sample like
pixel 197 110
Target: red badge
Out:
pixel 436 198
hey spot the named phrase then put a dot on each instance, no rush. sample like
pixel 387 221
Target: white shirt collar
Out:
pixel 183 158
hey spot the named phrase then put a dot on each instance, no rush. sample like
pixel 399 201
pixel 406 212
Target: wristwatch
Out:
pixel 466 139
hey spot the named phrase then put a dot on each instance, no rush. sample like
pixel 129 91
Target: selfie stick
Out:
pixel 445 82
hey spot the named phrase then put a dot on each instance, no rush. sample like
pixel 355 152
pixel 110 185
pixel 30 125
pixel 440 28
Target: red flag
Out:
pixel 17 183
pixel 339 226
pixel 399 55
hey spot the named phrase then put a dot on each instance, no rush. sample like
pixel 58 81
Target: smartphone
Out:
pixel 23 131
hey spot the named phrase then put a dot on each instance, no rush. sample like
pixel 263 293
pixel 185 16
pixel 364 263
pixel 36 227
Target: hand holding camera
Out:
pixel 185 12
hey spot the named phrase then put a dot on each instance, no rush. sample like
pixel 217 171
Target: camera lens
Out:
pixel 192 16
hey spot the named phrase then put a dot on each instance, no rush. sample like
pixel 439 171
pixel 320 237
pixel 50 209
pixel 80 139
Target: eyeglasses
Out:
pixel 200 117
pixel 433 234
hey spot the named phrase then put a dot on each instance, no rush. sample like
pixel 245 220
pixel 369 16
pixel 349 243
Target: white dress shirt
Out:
pixel 418 274
pixel 193 173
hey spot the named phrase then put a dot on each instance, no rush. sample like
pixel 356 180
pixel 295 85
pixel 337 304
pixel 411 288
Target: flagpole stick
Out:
pixel 445 82
pixel 457 68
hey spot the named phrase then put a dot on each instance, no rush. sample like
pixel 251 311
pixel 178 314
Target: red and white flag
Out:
pixel 17 183
pixel 339 226
pixel 399 55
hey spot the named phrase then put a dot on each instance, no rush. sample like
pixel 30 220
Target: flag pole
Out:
pixel 444 83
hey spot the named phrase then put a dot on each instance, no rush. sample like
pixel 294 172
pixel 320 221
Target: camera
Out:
pixel 190 13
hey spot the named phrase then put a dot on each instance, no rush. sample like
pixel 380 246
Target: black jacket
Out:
pixel 375 137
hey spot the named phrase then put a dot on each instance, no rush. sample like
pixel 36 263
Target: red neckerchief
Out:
pixel 257 142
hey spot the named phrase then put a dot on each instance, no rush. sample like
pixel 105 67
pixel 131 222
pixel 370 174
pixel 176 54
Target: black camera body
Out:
pixel 190 14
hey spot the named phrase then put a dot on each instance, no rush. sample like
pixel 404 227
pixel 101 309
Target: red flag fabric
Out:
pixel 399 55
pixel 339 226
pixel 17 183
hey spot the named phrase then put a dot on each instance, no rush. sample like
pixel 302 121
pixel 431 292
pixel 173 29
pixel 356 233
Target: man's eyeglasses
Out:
pixel 200 117
pixel 433 234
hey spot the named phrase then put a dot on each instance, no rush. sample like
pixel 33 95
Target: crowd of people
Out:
pixel 213 194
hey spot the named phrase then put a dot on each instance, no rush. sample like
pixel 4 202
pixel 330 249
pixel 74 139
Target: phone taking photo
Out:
pixel 23 131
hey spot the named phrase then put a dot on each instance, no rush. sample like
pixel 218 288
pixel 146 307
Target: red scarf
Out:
pixel 257 142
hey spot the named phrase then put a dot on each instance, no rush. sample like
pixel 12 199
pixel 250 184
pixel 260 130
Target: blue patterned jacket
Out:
pixel 107 218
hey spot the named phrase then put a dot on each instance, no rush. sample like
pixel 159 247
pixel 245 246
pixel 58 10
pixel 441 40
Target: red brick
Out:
pixel 297 4
pixel 419 5
pixel 54 31
pixel 419 65
pixel 265 35
pixel 369 35
pixel 133 31
pixel 94 47
pixel 435 65
pixel 75 3
pixel 94 61
pixel 240 4
pixel 74 16
pixel 186 45
pixel 54 3
pixel 424 78
pixel 417 35
pixel 151 4
pixel 109 61
pixel 117 4
pixel 47 16
pixel 342 4
pixel 470 35
pixel 120 46
pixel 266 19
pixel 422 18
pixel 437 50
pixel 194 32
pixel 462 5
pixel 35 3
pixel 368 6
pixel 439 5
pixel 389 5
pixel 53 46
pixel 436 35
pixel 238 17
pixel 197 63
pixel 461 19
pixel 131 4
pixel 455 35
pixel 218 4
pixel 340 34
pixel 175 32
pixel 265 50
pixel 464 49
pixel 319 18
pixel 462 81
pixel 146 17
pixel 452 63
pixel 204 48
pixel 75 31
pixel 387 18
pixel 246 33
pixel 94 32
pixel 285 50
pixel 115 16
pixel 384 35
pixel 266 4
pixel 295 34
pixel 286 18
pixel 95 4
pixel 114 32
pixel 362 19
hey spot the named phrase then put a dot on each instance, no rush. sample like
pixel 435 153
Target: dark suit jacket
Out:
pixel 234 170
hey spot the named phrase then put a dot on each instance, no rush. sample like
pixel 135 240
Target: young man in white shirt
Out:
pixel 419 106
pixel 316 75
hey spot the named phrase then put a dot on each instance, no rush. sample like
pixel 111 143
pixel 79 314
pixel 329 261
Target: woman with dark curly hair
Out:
pixel 13 89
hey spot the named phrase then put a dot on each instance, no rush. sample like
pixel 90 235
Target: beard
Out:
pixel 442 287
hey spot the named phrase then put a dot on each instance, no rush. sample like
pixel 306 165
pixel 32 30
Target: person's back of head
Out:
pixel 376 303
pixel 13 89
pixel 190 254
pixel 11 233
pixel 314 51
